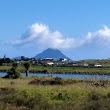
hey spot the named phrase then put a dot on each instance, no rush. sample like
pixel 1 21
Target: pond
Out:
pixel 64 75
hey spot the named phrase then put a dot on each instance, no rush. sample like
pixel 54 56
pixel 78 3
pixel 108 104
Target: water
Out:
pixel 64 75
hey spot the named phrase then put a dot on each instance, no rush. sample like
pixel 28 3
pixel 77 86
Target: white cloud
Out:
pixel 41 36
pixel 99 38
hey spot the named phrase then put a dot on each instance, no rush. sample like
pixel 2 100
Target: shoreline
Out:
pixel 47 72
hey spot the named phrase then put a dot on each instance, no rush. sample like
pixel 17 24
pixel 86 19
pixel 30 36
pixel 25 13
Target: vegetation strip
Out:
pixel 61 70
pixel 63 94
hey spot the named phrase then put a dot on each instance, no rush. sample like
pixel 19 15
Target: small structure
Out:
pixel 63 59
pixel 97 65
pixel 50 63
pixel 85 64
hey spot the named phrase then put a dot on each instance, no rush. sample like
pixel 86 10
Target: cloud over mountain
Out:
pixel 41 35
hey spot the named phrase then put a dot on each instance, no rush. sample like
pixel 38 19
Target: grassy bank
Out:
pixel 64 70
pixel 47 93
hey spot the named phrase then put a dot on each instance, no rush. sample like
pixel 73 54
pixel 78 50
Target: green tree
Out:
pixel 15 65
pixel 13 72
pixel 27 66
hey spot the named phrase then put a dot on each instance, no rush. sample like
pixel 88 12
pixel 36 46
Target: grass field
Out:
pixel 47 93
pixel 58 69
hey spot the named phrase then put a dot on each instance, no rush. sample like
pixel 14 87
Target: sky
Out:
pixel 79 28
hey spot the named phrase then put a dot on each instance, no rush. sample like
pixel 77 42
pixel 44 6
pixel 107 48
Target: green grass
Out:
pixel 58 69
pixel 74 94
pixel 5 68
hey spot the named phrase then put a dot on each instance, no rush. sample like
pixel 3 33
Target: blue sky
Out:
pixel 79 28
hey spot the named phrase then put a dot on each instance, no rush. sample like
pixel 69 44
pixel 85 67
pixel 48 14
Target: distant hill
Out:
pixel 51 53
pixel 20 58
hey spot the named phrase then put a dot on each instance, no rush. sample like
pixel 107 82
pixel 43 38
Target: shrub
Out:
pixel 13 72
pixel 9 97
pixel 53 81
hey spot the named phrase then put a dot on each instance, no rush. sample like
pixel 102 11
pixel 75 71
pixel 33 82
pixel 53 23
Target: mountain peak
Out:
pixel 51 53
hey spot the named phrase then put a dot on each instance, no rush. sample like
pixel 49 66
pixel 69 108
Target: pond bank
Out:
pixel 58 72
pixel 82 76
pixel 61 70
